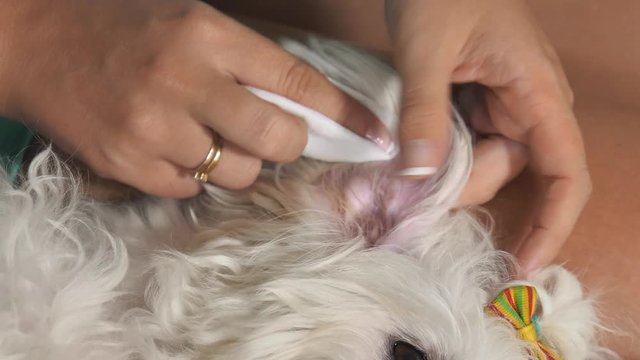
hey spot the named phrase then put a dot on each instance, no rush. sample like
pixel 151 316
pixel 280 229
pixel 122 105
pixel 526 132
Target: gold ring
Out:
pixel 211 160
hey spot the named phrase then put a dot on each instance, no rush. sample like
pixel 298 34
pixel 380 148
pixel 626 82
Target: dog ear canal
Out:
pixel 373 200
pixel 405 351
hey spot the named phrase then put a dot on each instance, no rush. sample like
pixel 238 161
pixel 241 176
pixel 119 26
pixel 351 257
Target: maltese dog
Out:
pixel 315 261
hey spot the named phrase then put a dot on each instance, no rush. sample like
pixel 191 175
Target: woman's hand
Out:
pixel 495 43
pixel 135 88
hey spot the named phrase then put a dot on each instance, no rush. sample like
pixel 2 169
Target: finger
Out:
pixel 259 127
pixel 497 114
pixel 159 178
pixel 236 168
pixel 282 73
pixel 563 201
pixel 558 70
pixel 484 109
pixel 238 171
pixel 496 161
pixel 424 119
pixel 549 126
pixel 144 170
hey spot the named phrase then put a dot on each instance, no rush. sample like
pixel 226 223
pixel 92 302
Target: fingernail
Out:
pixel 418 159
pixel 418 171
pixel 380 136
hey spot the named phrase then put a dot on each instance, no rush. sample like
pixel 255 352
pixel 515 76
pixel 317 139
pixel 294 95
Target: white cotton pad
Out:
pixel 328 140
pixel 369 81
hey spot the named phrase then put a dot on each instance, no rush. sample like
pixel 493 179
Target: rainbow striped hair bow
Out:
pixel 517 305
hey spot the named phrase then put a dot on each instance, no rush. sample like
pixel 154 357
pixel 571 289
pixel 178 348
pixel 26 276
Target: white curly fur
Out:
pixel 283 270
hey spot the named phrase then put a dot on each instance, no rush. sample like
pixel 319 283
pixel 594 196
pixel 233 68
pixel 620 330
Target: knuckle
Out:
pixel 102 168
pixel 417 113
pixel 249 173
pixel 474 197
pixel 543 107
pixel 129 143
pixel 539 110
pixel 193 19
pixel 290 156
pixel 551 80
pixel 546 73
pixel 269 134
pixel 549 53
pixel 486 196
pixel 107 163
pixel 139 131
pixel 587 184
pixel 201 23
pixel 197 24
pixel 297 80
pixel 143 127
pixel 553 76
pixel 422 102
pixel 295 144
pixel 158 69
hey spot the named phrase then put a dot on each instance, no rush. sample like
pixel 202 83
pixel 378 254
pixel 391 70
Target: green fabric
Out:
pixel 14 139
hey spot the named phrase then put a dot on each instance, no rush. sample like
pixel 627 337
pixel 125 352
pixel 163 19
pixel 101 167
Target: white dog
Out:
pixel 315 261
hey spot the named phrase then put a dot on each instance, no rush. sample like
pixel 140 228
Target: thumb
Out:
pixel 425 125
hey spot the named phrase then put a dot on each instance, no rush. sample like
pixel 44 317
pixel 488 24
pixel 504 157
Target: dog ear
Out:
pixel 568 319
pixel 372 200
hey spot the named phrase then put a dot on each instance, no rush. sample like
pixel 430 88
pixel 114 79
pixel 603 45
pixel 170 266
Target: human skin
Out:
pixel 527 99
pixel 341 20
pixel 599 45
pixel 135 89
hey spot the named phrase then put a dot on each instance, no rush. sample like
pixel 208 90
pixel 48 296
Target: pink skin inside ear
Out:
pixel 359 197
pixel 379 204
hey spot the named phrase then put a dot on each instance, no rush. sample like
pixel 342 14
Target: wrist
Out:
pixel 11 13
pixel 355 21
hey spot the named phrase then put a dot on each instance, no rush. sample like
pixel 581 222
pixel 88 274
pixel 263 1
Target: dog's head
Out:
pixel 314 261
pixel 344 262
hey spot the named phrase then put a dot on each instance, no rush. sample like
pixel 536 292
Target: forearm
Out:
pixel 358 21
pixel 11 13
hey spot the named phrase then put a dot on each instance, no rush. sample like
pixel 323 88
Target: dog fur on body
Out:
pixel 314 261
pixel 263 274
